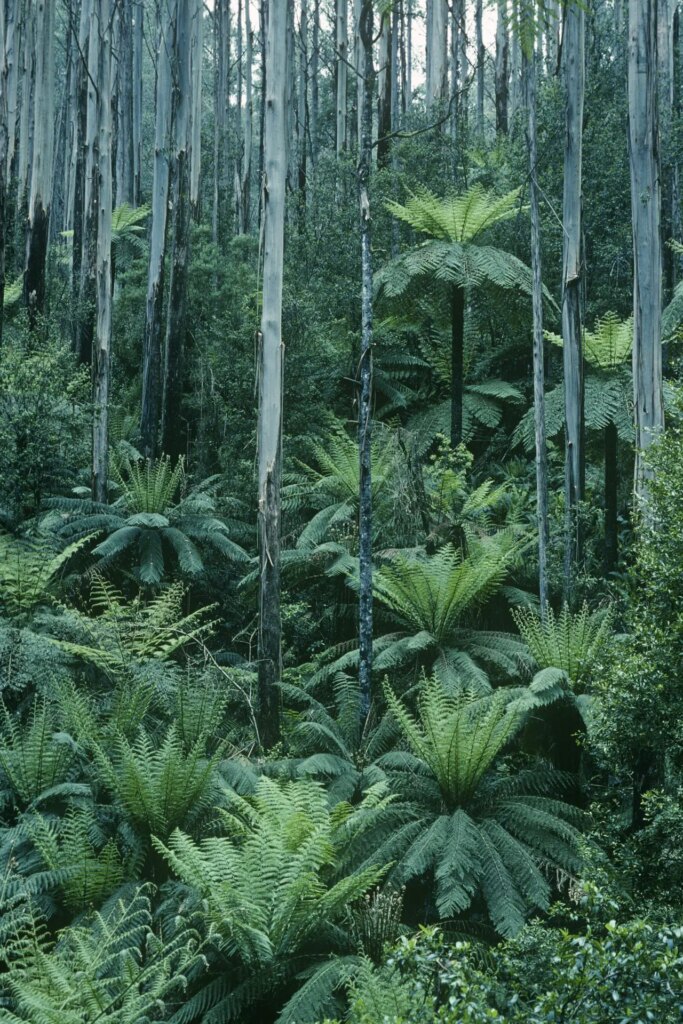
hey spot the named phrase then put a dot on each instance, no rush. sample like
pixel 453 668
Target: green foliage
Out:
pixel 36 761
pixel 480 829
pixel 571 641
pixel 153 517
pixel 604 972
pixel 29 572
pixel 114 968
pixel 272 889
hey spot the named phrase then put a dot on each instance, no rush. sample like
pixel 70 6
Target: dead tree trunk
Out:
pixel 271 364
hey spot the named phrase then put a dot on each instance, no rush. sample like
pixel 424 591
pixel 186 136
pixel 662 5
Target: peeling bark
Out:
pixel 271 363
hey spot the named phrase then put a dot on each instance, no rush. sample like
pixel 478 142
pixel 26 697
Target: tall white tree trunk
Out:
pixel 220 109
pixel 436 81
pixel 481 64
pixel 197 61
pixel 502 73
pixel 138 40
pixel 342 45
pixel 151 367
pixel 574 76
pixel 102 25
pixel 646 214
pixel 529 79
pixel 271 364
pixel 42 157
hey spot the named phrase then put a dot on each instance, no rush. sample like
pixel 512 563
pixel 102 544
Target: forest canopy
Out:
pixel 341 529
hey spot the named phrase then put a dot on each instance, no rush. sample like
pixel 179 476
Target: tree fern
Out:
pixel 571 641
pixel 270 890
pixel 152 516
pixel 482 832
pixel 114 968
pixel 36 761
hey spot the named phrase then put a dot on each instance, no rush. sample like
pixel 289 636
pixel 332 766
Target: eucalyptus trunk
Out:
pixel 436 83
pixel 125 191
pixel 646 215
pixel 220 109
pixel 172 423
pixel 102 26
pixel 26 112
pixel 302 113
pixel 42 159
pixel 342 52
pixel 138 41
pixel 481 64
pixel 11 49
pixel 271 365
pixel 572 349
pixel 365 627
pixel 151 366
pixel 502 68
pixel 529 78
pixel 87 294
pixel 315 87
pixel 196 62
pixel 82 332
pixel 385 77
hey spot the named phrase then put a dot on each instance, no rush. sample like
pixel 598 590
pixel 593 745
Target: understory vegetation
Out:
pixel 226 794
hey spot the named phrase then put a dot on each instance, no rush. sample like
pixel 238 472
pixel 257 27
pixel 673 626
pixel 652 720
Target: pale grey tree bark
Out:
pixel 515 66
pixel 342 50
pixel 27 75
pixel 42 158
pixel 125 191
pixel 172 423
pixel 246 128
pixel 220 111
pixel 102 26
pixel 302 110
pixel 271 366
pixel 481 64
pixel 385 76
pixel 151 367
pixel 646 216
pixel 436 69
pixel 315 88
pixel 502 69
pixel 574 86
pixel 529 78
pixel 138 41
pixel 12 48
pixel 365 625
pixel 197 63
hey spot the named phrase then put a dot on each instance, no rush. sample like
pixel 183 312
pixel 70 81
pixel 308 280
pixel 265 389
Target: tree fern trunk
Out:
pixel 457 362
pixel 365 628
pixel 271 375
pixel 611 491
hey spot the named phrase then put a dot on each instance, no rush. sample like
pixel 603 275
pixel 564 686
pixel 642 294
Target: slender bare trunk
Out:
pixel 365 627
pixel 151 368
pixel 574 75
pixel 342 48
pixel 13 22
pixel 385 77
pixel 502 68
pixel 529 69
pixel 41 163
pixel 125 190
pixel 315 88
pixel 138 40
pixel 481 64
pixel 28 85
pixel 271 364
pixel 436 83
pixel 172 423
pixel 302 112
pixel 197 61
pixel 646 214
pixel 611 493
pixel 102 351
pixel 222 60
